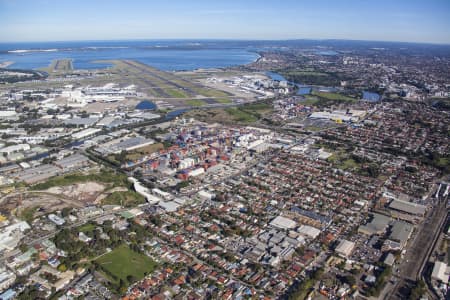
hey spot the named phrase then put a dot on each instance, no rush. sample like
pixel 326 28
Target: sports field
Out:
pixel 123 262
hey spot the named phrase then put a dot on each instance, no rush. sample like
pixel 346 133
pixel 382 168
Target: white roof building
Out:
pixel 170 206
pixel 55 219
pixel 197 172
pixel 11 235
pixel 440 272
pixel 309 231
pixel 204 195
pixel 85 133
pixel 345 248
pixel 15 148
pixel 283 223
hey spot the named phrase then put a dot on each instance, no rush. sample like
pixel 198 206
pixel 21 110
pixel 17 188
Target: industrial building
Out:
pixel 408 207
pixel 401 232
pixel 14 149
pixel 377 225
pixel 85 133
pixel 37 174
pixel 124 144
pixel 73 162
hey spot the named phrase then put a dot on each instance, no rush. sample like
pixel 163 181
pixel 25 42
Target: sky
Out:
pixel 381 20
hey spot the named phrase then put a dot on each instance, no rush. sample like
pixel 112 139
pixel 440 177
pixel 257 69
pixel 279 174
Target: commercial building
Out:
pixel 309 231
pixel 170 206
pixel 283 223
pixel 345 248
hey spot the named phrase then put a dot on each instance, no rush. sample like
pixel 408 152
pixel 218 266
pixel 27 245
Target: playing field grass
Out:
pixel 223 100
pixel 127 199
pixel 123 262
pixel 195 102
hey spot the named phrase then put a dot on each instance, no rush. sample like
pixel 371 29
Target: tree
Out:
pixel 131 279
pixel 122 287
pixel 23 247
pixel 66 211
pixel 62 268
pixel 418 290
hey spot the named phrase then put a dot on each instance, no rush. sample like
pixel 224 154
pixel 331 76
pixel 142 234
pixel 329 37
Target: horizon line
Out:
pixel 228 39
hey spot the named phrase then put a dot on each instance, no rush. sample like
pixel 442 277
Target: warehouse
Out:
pixel 85 133
pixel 15 148
pixel 81 122
pixel 37 174
pixel 401 232
pixel 377 225
pixel 72 162
pixel 408 207
pixel 124 144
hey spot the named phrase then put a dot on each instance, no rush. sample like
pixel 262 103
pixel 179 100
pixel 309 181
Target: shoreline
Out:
pixel 6 64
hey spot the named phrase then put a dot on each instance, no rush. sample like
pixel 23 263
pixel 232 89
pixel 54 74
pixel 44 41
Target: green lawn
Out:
pixel 310 100
pixel 176 93
pixel 123 262
pixel 86 227
pixel 211 92
pixel 249 113
pixel 241 115
pixel 127 199
pixel 195 102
